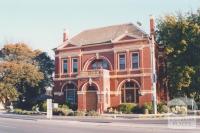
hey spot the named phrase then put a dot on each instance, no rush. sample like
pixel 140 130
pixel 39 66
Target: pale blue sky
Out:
pixel 40 23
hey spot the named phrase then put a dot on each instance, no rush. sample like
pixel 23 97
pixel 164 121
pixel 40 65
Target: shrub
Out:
pixel 92 113
pixel 137 110
pixel 198 106
pixel 79 113
pixel 127 108
pixel 25 112
pixel 149 107
pixel 71 106
pixel 59 111
pixel 183 110
pixel 35 108
pixel 22 112
pixel 64 106
pixel 62 112
pixel 17 111
pixel 162 108
pixel 179 109
pixel 43 106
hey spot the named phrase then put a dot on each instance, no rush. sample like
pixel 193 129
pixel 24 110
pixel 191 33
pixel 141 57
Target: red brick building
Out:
pixel 103 67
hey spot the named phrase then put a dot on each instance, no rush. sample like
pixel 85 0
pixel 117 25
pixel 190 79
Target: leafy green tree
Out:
pixel 27 70
pixel 7 93
pixel 180 36
pixel 46 66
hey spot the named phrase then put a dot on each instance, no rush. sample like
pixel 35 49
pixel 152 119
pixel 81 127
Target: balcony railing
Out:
pixel 94 73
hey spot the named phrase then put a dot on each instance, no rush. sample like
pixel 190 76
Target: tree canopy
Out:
pixel 180 36
pixel 25 72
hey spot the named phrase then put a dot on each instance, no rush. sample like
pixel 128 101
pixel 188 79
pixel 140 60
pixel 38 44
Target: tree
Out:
pixel 46 66
pixel 20 75
pixel 7 92
pixel 180 36
pixel 27 70
pixel 18 52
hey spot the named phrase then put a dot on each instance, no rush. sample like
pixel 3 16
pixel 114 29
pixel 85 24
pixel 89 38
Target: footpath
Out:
pixel 128 120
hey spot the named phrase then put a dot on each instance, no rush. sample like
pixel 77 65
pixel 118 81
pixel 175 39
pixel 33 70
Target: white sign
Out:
pixel 49 108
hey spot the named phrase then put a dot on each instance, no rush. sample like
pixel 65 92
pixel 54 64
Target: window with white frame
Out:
pixel 122 61
pixel 129 92
pixel 65 66
pixel 135 60
pixel 71 93
pixel 74 65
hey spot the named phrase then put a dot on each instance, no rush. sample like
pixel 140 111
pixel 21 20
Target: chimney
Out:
pixel 65 36
pixel 152 25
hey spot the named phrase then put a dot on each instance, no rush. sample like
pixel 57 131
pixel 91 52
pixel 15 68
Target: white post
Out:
pixel 49 103
pixel 154 77
pixel 49 108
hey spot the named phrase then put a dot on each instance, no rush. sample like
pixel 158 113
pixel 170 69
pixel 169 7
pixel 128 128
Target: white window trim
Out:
pixel 124 95
pixel 63 65
pixel 132 61
pixel 72 70
pixel 118 68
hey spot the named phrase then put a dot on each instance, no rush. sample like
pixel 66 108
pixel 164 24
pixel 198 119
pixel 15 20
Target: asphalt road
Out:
pixel 10 125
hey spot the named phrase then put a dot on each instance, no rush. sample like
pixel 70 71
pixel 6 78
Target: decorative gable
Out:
pixel 69 45
pixel 125 37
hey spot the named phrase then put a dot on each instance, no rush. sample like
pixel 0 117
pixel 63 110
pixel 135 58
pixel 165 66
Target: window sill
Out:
pixel 135 69
pixel 73 73
pixel 122 70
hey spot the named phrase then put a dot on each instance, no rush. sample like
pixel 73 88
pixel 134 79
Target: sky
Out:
pixel 40 23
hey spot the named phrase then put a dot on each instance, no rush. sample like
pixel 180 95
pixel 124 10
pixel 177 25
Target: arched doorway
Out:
pixel 91 97
pixel 129 92
pixel 70 94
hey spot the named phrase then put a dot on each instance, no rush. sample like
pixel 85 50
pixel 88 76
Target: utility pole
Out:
pixel 153 65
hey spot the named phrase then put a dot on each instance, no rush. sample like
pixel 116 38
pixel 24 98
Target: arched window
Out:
pixel 71 93
pixel 129 92
pixel 100 64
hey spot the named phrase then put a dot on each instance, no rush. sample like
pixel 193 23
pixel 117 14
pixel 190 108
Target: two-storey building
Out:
pixel 103 67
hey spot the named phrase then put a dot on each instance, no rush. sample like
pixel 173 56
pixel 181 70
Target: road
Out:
pixel 10 125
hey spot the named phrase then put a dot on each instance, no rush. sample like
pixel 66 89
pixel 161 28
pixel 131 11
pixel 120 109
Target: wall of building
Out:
pixel 110 52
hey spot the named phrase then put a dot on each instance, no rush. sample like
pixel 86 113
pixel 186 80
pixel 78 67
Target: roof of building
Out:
pixel 106 34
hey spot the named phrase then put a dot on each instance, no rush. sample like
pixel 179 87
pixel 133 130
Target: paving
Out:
pixel 10 125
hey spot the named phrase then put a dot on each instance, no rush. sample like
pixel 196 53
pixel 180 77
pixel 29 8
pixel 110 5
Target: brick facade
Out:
pixel 98 89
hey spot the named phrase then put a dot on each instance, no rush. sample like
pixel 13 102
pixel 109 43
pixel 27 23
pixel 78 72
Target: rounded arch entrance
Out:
pixel 91 97
pixel 129 90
